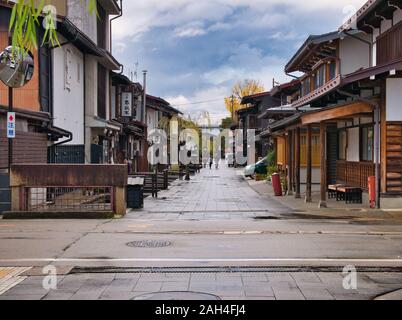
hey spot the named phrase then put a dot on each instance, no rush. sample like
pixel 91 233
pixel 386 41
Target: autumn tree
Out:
pixel 240 90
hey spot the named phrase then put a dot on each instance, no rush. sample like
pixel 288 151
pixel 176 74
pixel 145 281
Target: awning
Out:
pixel 108 61
pixel 373 71
pixel 337 112
pixel 284 123
pixel 78 38
pixel 99 123
pixel 278 111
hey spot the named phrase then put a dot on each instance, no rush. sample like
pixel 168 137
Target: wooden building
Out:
pixel 351 92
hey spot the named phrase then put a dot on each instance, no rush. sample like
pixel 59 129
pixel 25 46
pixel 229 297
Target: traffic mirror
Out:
pixel 16 67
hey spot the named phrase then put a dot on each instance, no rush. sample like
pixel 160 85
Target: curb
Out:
pixel 57 215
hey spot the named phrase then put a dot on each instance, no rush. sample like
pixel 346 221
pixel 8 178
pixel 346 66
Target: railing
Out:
pixel 330 85
pixel 389 45
pixel 64 199
pixel 354 173
pixel 54 189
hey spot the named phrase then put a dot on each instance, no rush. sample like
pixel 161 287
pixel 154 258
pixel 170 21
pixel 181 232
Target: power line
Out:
pixel 198 102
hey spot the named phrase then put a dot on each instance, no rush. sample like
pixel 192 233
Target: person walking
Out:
pixel 211 162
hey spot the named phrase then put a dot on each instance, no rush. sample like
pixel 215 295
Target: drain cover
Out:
pixel 149 244
pixel 184 296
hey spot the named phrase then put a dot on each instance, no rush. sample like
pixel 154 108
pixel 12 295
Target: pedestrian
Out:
pixel 211 162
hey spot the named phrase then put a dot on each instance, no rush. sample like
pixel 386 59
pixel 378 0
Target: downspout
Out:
pixel 110 24
pixel 377 155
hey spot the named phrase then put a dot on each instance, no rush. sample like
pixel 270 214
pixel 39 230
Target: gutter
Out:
pixel 377 155
pixel 110 25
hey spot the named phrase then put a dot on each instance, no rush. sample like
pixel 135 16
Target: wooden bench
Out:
pixel 345 193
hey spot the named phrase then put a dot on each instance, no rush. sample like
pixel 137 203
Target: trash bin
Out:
pixel 135 193
pixel 276 183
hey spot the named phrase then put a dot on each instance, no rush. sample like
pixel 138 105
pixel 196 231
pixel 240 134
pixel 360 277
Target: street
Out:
pixel 212 235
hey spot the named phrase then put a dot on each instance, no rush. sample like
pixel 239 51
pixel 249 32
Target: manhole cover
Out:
pixel 149 244
pixel 178 295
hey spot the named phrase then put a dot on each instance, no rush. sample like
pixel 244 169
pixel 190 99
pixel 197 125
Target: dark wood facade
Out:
pixel 389 45
pixel 394 158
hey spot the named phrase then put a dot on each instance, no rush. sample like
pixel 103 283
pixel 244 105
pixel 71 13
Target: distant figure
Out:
pixel 217 163
pixel 211 162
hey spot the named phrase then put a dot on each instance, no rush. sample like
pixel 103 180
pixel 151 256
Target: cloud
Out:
pixel 209 100
pixel 141 16
pixel 196 50
pixel 190 30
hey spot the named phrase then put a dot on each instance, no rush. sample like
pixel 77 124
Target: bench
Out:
pixel 345 193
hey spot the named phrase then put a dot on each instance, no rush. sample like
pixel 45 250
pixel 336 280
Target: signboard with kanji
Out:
pixel 11 125
pixel 127 104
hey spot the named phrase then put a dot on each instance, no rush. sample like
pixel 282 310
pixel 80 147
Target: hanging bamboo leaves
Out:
pixel 26 19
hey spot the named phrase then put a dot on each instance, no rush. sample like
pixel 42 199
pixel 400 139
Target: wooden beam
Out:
pixel 384 169
pixel 309 164
pixel 297 163
pixel 343 111
pixel 289 160
pixel 324 187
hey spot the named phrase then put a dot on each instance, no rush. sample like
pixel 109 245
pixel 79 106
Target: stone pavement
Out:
pixel 226 286
pixel 210 195
pixel 335 208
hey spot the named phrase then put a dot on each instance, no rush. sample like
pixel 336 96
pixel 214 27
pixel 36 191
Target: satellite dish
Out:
pixel 16 67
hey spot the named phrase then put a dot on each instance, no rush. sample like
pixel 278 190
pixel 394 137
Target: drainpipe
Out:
pixel 144 99
pixel 110 24
pixel 377 117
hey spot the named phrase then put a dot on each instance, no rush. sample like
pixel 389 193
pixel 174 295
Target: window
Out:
pixel 342 145
pixel 332 70
pixel 319 77
pixel 306 86
pixel 367 149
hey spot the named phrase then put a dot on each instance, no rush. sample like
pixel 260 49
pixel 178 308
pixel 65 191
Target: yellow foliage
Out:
pixel 240 90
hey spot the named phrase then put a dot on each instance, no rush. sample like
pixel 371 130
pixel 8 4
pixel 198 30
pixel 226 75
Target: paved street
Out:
pixel 220 236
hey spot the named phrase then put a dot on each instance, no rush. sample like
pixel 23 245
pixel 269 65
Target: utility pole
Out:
pixel 234 134
pixel 10 109
pixel 10 141
pixel 144 99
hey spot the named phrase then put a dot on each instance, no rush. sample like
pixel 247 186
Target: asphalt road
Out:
pixel 216 219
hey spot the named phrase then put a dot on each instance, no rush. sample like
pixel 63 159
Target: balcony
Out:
pixel 389 45
pixel 319 92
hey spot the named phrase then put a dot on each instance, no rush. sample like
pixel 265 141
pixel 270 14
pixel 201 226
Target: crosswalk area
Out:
pixel 11 276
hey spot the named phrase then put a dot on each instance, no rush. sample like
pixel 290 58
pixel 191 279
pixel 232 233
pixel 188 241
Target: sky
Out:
pixel 194 51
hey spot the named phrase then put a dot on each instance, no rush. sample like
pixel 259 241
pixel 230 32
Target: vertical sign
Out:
pixel 11 125
pixel 127 104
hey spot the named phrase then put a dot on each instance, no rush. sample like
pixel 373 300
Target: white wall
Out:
pixel 68 91
pixel 354 54
pixel 152 119
pixel 353 150
pixel 394 100
pixel 91 86
pixel 113 103
pixel 83 20
pixel 397 16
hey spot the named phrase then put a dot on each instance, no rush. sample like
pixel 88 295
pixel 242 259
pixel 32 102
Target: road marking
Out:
pixel 10 277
